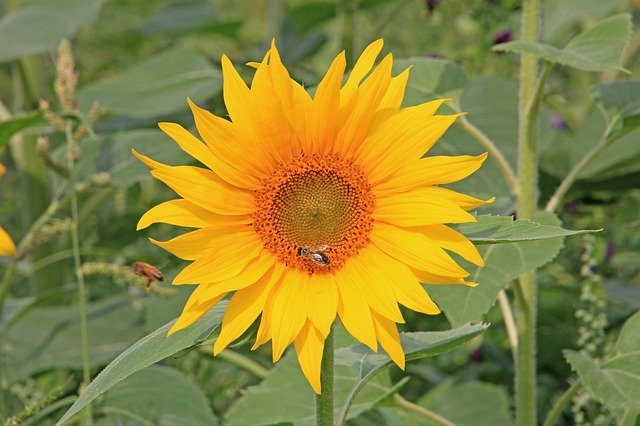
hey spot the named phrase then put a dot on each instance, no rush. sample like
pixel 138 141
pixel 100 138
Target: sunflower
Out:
pixel 312 207
pixel 7 248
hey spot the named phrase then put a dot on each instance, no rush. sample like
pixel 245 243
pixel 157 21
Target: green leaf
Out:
pixel 156 86
pixel 54 336
pixel 429 79
pixel 39 25
pixel 158 395
pixel 599 48
pixel 17 123
pixel 500 229
pixel 468 404
pixel 146 351
pixel 112 154
pixel 503 263
pixel 615 382
pixel 286 397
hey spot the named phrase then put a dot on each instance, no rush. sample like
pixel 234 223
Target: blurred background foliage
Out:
pixel 139 60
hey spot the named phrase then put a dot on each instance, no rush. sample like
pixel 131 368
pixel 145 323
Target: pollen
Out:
pixel 318 204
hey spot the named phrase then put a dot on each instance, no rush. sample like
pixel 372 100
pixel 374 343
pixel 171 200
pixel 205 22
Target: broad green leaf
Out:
pixel 503 263
pixel 158 395
pixel 193 16
pixel 561 17
pixel 498 121
pixel 146 351
pixel 429 79
pixel 54 336
pixel 598 48
pixel 620 157
pixel 503 229
pixel 156 86
pixel 39 25
pixel 467 404
pixel 415 345
pixel 616 381
pixel 620 100
pixel 17 123
pixel 286 397
pixel 112 154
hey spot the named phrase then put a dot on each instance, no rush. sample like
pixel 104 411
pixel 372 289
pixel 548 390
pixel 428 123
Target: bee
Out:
pixel 317 256
pixel 150 272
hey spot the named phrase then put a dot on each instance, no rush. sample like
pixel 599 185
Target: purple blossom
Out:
pixel 503 36
pixel 558 122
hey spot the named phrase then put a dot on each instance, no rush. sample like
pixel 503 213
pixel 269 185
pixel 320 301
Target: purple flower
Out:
pixel 503 36
pixel 609 252
pixel 431 5
pixel 558 122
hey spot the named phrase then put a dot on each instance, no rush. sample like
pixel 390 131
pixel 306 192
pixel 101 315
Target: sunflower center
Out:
pixel 314 212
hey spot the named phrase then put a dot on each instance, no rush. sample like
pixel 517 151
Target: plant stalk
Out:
pixel 561 403
pixel 422 411
pixel 324 401
pixel 525 288
pixel 82 293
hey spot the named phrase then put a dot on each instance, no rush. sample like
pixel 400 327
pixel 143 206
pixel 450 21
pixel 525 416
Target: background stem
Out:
pixel 525 288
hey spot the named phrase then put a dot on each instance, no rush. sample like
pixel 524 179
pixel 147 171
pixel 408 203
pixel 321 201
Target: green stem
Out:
pixel 82 293
pixel 347 10
pixel 561 403
pixel 494 152
pixel 242 361
pixel 571 177
pixel 422 411
pixel 525 288
pixel 275 15
pixel 509 321
pixel 324 401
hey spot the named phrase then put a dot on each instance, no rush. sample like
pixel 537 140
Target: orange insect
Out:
pixel 150 272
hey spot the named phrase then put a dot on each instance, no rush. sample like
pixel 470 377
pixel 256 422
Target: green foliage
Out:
pixel 141 60
pixel 503 263
pixel 157 86
pixel 146 351
pixel 39 25
pixel 597 49
pixel 616 381
pixel 157 395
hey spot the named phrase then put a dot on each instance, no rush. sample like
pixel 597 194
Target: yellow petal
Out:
pixel 244 307
pixel 362 111
pixel 404 284
pixel 182 212
pixel 426 171
pixel 192 245
pixel 223 262
pixel 288 310
pixel 354 312
pixel 237 98
pixel 226 143
pixel 392 100
pixel 454 241
pixel 372 284
pixel 322 304
pixel 7 247
pixel 389 339
pixel 254 271
pixel 415 250
pixel 302 109
pixel 419 207
pixel 309 345
pixel 193 311
pixel 360 70
pixel 202 187
pixel 201 152
pixel 326 102
pixel 431 279
pixel 466 202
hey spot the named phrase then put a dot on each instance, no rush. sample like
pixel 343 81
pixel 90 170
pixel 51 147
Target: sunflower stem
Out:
pixel 525 288
pixel 324 401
